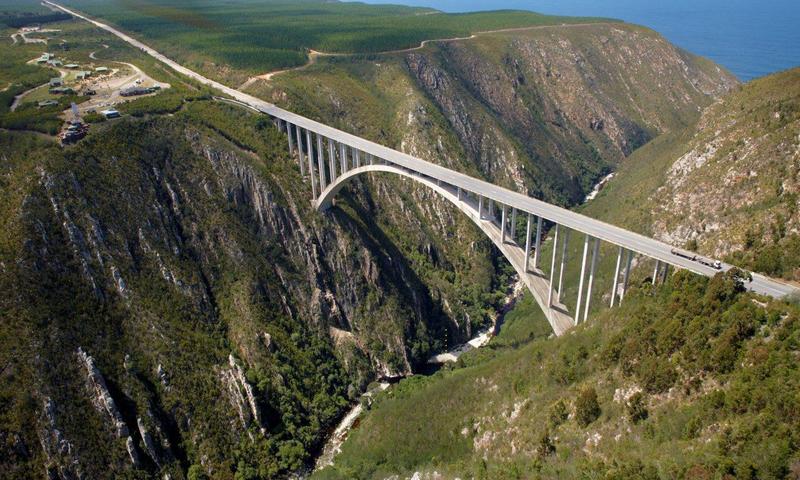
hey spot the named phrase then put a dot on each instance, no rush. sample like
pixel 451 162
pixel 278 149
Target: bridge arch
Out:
pixel 538 284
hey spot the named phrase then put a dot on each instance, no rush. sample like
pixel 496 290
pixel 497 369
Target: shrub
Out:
pixel 587 408
pixel 545 446
pixel 636 407
pixel 558 413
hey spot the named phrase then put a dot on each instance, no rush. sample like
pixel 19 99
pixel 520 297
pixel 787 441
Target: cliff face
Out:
pixel 736 182
pixel 546 111
pixel 169 300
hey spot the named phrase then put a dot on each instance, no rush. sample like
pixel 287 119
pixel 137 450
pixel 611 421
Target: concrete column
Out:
pixel 528 242
pixel 490 211
pixel 356 157
pixel 503 225
pixel 580 283
pixel 656 270
pixel 289 134
pixel 480 207
pixel 300 151
pixel 553 268
pixel 664 273
pixel 371 159
pixel 615 285
pixel 311 163
pixel 513 224
pixel 332 158
pixel 343 155
pixel 595 252
pixel 564 249
pixel 458 193
pixel 323 182
pixel 536 256
pixel 626 275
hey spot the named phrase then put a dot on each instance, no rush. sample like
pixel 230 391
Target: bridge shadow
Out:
pixel 396 272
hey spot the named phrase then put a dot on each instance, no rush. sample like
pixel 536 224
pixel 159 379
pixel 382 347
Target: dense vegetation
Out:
pixel 694 379
pixel 18 21
pixel 256 37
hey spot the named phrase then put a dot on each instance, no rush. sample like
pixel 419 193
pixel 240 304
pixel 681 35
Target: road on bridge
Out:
pixel 609 233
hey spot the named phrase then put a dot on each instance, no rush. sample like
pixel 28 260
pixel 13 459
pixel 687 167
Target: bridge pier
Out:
pixel 311 164
pixel 343 157
pixel 528 243
pixel 553 268
pixel 538 247
pixel 503 225
pixel 656 271
pixel 563 265
pixel 289 135
pixel 513 224
pixel 595 252
pixel 480 207
pixel 615 284
pixel 321 163
pixel 583 273
pixel 332 158
pixel 300 151
pixel 625 276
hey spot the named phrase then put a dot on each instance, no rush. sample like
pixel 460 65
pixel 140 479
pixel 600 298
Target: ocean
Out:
pixel 750 38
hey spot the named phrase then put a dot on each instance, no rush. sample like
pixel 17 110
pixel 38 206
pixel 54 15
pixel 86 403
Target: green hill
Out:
pixel 232 40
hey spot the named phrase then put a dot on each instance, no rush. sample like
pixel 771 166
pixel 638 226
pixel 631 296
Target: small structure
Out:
pixel 135 91
pixel 46 103
pixel 71 65
pixel 62 91
pixel 44 58
pixel 56 82
pixel 54 62
pixel 101 69
pixel 83 75
pixel 111 113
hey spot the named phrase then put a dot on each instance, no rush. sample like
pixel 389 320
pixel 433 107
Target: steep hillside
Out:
pixel 694 380
pixel 546 111
pixel 691 379
pixel 726 186
pixel 170 299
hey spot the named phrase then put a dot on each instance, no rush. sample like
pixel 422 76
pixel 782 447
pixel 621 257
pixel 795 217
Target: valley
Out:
pixel 176 306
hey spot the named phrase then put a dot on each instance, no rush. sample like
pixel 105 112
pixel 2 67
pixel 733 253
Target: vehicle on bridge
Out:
pixel 709 263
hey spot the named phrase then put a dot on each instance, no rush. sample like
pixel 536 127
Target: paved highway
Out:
pixel 604 231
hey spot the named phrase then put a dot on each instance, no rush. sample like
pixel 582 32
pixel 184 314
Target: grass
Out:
pixel 256 37
pixel 723 413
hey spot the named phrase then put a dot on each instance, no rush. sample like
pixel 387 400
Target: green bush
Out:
pixel 558 413
pixel 587 408
pixel 636 407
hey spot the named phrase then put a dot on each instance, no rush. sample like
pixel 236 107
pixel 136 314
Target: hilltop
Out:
pixel 231 41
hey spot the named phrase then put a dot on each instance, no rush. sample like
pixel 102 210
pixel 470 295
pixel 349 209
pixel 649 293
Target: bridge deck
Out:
pixel 608 233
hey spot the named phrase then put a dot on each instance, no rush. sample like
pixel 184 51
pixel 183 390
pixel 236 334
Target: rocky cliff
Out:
pixel 735 183
pixel 169 295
